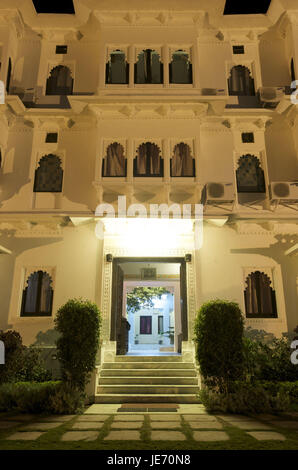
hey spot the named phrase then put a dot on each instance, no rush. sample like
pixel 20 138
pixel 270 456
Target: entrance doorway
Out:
pixel 149 311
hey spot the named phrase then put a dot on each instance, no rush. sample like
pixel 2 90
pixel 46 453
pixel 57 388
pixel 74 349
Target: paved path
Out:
pixel 192 422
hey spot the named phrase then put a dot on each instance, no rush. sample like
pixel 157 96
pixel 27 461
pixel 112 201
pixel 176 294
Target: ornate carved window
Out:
pixel 250 176
pixel 148 68
pixel 60 81
pixel 260 300
pixel 148 161
pixel 38 295
pixel 114 163
pixel 240 81
pixel 117 68
pixel 48 175
pixel 180 68
pixel 182 163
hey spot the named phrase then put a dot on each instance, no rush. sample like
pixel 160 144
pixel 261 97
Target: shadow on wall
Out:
pixel 16 165
pixel 289 271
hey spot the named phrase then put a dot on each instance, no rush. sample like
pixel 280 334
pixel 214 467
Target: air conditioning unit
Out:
pixel 281 191
pixel 213 91
pixel 271 96
pixel 218 193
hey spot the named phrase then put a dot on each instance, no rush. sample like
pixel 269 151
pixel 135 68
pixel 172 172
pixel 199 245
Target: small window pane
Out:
pixel 61 49
pixel 238 49
pixel 52 137
pixel 248 137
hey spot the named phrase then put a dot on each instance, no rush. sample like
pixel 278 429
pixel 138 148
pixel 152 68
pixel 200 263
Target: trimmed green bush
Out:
pixel 78 322
pixel 219 343
pixel 247 398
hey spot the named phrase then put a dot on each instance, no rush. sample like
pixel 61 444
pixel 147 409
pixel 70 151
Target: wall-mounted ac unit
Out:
pixel 213 91
pixel 271 96
pixel 281 191
pixel 218 193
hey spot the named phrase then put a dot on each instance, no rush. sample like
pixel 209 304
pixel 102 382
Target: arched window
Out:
pixel 182 164
pixel 8 75
pixel 148 68
pixel 260 300
pixel 60 81
pixel 148 161
pixel 38 295
pixel 48 175
pixel 114 164
pixel 250 176
pixel 180 68
pixel 117 69
pixel 240 81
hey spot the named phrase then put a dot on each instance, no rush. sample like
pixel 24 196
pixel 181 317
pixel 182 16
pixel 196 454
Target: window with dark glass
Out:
pixel 52 137
pixel 148 68
pixel 249 175
pixel 260 300
pixel 293 75
pixel 180 68
pixel 61 49
pixel 114 163
pixel 240 81
pixel 37 297
pixel 117 68
pixel 48 175
pixel 60 81
pixel 148 161
pixel 182 163
pixel 145 325
pixel 247 137
pixel 160 324
pixel 238 49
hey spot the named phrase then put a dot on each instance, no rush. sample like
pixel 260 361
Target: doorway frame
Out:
pixel 152 259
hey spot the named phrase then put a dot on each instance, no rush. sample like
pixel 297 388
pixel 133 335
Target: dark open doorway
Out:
pixel 156 328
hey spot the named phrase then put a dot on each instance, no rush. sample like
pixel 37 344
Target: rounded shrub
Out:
pixel 219 343
pixel 78 322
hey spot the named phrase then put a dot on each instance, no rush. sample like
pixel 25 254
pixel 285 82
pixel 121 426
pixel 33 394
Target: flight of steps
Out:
pixel 147 379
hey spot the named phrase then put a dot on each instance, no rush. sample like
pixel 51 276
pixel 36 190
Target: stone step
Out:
pixel 148 358
pixel 147 389
pixel 148 373
pixel 148 365
pixel 124 380
pixel 146 398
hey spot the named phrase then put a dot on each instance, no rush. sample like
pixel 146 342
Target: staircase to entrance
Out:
pixel 147 379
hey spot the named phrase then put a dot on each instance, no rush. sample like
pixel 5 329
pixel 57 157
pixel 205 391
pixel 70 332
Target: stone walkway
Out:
pixel 190 423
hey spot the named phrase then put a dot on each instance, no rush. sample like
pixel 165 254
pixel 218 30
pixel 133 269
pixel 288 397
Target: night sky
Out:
pixel 233 7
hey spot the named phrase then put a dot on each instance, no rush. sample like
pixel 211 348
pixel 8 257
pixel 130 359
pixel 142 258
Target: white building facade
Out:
pixel 176 104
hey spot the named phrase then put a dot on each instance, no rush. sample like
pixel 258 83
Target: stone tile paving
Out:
pixel 40 426
pixel 165 424
pixel 205 425
pixel 167 436
pixel 164 427
pixel 128 425
pixel 267 436
pixel 123 436
pixel 87 425
pixel 86 436
pixel 25 436
pixel 210 436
